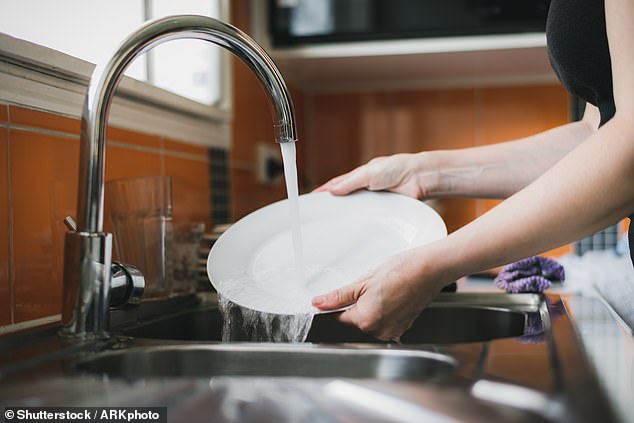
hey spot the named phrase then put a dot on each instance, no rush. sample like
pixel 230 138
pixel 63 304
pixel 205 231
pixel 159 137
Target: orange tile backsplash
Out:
pixel 119 135
pixel 247 195
pixel 457 212
pixel 3 113
pixel 5 283
pixel 43 190
pixel 332 144
pixel 514 112
pixel 21 116
pixel 190 188
pixel 177 146
pixel 118 161
pixel 253 122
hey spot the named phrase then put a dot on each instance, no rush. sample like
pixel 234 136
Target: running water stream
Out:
pixel 289 157
pixel 243 324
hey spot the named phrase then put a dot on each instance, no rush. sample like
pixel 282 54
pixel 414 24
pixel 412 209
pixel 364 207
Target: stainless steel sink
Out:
pixel 529 378
pixel 269 360
pixel 156 350
pixel 451 318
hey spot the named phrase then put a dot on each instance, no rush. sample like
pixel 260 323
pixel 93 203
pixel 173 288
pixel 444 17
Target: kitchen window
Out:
pixel 91 30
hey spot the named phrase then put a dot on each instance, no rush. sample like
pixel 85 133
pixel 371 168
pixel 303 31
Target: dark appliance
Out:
pixel 301 22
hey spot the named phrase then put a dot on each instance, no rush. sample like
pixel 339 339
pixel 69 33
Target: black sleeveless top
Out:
pixel 579 52
pixel 580 55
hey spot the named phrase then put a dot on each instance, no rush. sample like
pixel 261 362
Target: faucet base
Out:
pixel 87 257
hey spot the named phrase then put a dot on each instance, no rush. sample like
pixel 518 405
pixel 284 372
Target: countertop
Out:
pixel 607 341
pixel 528 373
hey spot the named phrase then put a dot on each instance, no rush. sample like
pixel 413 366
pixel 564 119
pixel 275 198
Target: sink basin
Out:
pixel 452 318
pixel 269 360
pixel 434 326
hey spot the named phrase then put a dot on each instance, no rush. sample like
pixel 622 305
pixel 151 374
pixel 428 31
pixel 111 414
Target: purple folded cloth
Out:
pixel 532 274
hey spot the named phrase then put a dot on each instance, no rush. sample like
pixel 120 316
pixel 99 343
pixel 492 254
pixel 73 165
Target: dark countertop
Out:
pixel 529 378
pixel 607 341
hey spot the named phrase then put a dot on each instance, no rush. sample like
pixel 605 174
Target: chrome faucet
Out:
pixel 88 250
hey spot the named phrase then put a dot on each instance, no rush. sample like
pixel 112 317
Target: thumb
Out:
pixel 340 297
pixel 355 180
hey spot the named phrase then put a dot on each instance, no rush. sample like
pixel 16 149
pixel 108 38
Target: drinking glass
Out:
pixel 141 211
pixel 187 238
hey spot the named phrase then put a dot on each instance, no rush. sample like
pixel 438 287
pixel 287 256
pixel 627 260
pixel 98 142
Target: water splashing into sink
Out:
pixel 243 324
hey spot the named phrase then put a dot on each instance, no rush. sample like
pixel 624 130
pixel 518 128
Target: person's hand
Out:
pixel 387 300
pixel 400 173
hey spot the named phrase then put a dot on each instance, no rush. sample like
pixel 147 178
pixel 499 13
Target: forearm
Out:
pixel 587 190
pixel 500 170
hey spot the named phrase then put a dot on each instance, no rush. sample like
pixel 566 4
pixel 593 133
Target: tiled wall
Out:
pixel 39 166
pixel 361 126
pixel 5 282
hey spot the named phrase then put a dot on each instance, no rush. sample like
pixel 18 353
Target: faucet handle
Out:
pixel 70 223
pixel 126 285
pixel 126 281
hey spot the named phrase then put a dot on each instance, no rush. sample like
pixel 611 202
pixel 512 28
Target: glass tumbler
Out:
pixel 141 212
pixel 187 239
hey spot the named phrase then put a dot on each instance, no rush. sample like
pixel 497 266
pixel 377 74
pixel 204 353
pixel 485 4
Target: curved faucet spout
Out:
pixel 106 76
pixel 87 250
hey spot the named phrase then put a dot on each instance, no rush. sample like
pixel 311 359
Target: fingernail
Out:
pixel 319 301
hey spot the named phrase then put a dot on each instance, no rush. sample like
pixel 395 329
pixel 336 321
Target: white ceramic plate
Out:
pixel 252 263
